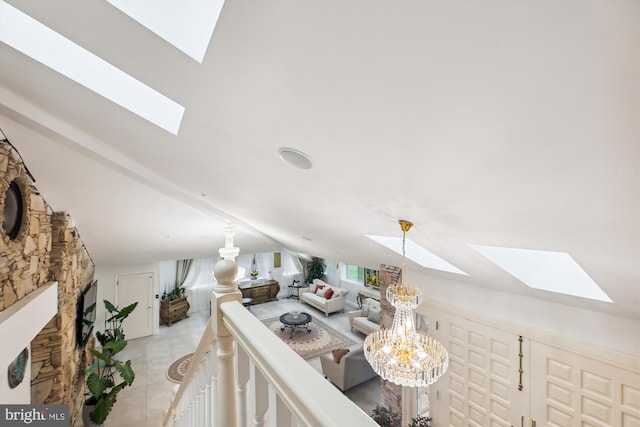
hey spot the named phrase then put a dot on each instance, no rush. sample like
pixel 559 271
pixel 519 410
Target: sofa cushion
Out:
pixel 339 353
pixel 374 315
pixel 321 292
pixel 365 326
pixel 317 288
pixel 328 293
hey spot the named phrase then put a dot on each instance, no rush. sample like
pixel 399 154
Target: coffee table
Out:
pixel 301 320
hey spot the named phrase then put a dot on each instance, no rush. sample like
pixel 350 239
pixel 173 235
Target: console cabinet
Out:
pixel 262 291
pixel 173 311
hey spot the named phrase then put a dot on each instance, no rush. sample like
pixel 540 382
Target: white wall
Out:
pixel 167 277
pixel 527 315
pixel 19 325
pixel 106 277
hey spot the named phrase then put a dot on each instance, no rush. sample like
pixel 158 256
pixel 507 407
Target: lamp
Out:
pixel 401 354
pixel 229 251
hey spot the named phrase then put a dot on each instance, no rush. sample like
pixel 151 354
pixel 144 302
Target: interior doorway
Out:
pixel 129 289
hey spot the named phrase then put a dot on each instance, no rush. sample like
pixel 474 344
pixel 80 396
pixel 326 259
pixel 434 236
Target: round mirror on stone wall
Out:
pixel 13 208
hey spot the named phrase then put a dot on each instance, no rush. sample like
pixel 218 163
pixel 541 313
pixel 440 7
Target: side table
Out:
pixel 294 290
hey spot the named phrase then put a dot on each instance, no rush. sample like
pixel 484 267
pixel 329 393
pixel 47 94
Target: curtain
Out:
pixel 264 261
pixel 244 261
pixel 200 283
pixel 291 264
pixel 182 271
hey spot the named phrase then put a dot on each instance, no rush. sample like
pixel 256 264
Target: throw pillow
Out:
pixel 374 315
pixel 318 287
pixel 322 292
pixel 339 353
pixel 365 310
pixel 329 293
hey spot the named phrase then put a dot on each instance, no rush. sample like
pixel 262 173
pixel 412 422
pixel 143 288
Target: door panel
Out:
pixel 572 389
pixel 481 385
pixel 131 288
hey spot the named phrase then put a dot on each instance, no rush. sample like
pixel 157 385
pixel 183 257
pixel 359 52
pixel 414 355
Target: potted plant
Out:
pixel 174 294
pixel 174 305
pixel 254 273
pixel 386 417
pixel 315 269
pixel 109 376
pixel 420 421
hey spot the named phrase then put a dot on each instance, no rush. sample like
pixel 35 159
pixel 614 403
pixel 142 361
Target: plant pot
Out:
pixel 89 405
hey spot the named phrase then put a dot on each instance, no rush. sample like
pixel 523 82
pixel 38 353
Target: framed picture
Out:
pixel 371 278
pixel 277 259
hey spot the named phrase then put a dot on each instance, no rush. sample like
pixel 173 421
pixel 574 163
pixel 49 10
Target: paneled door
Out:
pixel 571 389
pixel 131 288
pixel 483 386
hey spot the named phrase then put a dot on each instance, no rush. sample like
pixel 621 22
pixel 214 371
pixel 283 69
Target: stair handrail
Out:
pixel 306 393
pixel 204 347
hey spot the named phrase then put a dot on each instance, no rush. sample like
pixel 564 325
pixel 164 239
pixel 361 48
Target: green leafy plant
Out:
pixel 174 294
pixel 315 269
pixel 420 421
pixel 385 417
pixel 109 376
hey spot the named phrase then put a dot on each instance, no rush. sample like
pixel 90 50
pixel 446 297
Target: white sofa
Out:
pixel 335 303
pixel 367 319
pixel 353 368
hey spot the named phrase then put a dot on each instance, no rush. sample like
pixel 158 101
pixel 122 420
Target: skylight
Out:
pixel 545 270
pixel 187 25
pixel 46 46
pixel 416 253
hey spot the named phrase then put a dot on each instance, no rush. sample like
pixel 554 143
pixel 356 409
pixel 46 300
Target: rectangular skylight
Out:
pixel 544 270
pixel 416 253
pixel 187 25
pixel 46 46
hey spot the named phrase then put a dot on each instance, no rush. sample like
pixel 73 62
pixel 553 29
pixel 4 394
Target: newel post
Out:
pixel 225 290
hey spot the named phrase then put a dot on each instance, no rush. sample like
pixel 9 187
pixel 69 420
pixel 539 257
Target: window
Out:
pixel 13 208
pixel 355 273
pixel 290 264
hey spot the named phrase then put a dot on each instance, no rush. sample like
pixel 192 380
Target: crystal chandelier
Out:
pixel 401 354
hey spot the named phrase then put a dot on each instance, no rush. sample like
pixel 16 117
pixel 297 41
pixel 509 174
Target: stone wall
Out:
pixel 24 261
pixel 47 248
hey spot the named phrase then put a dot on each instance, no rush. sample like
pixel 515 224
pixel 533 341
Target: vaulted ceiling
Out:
pixel 513 124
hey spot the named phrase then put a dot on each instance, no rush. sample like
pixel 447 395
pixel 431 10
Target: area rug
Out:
pixel 322 338
pixel 178 369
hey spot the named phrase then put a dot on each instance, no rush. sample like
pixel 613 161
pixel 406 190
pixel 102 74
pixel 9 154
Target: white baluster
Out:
pixel 243 370
pixel 259 396
pixel 283 414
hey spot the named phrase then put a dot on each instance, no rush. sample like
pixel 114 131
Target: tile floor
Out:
pixel 143 403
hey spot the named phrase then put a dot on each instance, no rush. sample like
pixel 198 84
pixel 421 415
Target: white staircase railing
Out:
pixel 242 374
pixel 192 401
pixel 272 384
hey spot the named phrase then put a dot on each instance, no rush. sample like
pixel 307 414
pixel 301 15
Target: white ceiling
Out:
pixel 503 123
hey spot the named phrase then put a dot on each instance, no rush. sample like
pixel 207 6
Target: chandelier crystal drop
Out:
pixel 401 354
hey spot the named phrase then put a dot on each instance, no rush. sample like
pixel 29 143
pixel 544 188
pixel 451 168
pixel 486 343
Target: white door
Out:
pixel 575 390
pixel 129 289
pixel 483 386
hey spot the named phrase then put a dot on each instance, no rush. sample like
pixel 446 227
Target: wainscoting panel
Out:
pixel 572 389
pixel 481 386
